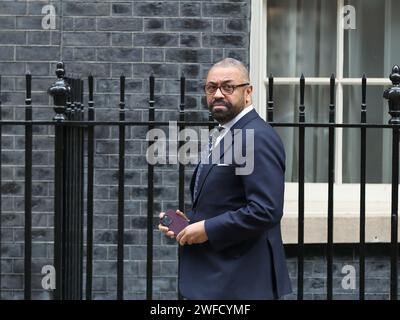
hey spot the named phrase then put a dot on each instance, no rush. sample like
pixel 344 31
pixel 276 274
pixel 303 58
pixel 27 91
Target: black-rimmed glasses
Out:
pixel 226 89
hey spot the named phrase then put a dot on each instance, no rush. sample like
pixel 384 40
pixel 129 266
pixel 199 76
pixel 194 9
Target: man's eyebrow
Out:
pixel 223 82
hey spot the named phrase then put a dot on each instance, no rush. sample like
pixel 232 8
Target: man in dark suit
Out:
pixel 232 248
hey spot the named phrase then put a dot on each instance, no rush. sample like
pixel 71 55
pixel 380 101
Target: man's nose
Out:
pixel 218 94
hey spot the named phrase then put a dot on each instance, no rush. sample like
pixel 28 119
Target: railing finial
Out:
pixel 60 91
pixel 393 96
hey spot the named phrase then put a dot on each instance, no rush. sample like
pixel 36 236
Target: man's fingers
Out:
pixel 180 213
pixel 170 234
pixel 182 240
pixel 180 235
pixel 166 231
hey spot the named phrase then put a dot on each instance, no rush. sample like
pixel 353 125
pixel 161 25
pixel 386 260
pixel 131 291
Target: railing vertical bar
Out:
pixel 81 191
pixel 58 209
pixel 66 273
pixel 331 175
pixel 300 255
pixel 150 202
pixel 1 165
pixel 75 190
pixel 68 205
pixel 394 215
pixel 393 96
pixel 72 204
pixel 362 187
pixel 78 193
pixel 121 193
pixel 75 207
pixel 90 187
pixel 270 103
pixel 181 193
pixel 28 189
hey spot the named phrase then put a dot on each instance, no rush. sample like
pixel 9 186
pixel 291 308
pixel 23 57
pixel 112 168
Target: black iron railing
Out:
pixel 70 131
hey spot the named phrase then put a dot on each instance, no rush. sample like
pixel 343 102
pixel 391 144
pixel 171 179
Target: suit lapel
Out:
pixel 192 181
pixel 207 168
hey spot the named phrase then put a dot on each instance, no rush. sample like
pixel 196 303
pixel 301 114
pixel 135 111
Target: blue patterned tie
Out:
pixel 201 165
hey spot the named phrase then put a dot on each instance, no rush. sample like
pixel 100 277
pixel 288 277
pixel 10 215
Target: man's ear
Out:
pixel 249 90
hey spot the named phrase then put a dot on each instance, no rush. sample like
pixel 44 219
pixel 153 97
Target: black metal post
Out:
pixel 182 127
pixel 67 205
pixel 270 104
pixel 362 186
pixel 394 215
pixel 81 184
pixel 331 177
pixel 393 96
pixel 181 193
pixel 1 135
pixel 90 188
pixel 150 202
pixel 121 174
pixel 28 189
pixel 300 254
pixel 58 208
pixel 60 91
pixel 68 187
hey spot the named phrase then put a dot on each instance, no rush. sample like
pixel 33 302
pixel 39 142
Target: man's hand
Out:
pixel 165 229
pixel 193 234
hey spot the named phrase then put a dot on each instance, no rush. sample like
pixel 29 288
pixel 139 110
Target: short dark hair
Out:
pixel 231 62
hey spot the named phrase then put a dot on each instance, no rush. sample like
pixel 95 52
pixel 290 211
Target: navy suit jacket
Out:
pixel 243 257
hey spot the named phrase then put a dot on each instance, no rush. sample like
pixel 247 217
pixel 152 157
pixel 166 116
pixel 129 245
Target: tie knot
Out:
pixel 220 128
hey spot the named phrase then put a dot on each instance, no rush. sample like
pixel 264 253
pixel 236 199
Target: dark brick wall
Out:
pixel 106 38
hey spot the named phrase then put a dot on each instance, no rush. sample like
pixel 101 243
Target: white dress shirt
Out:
pixel 227 126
